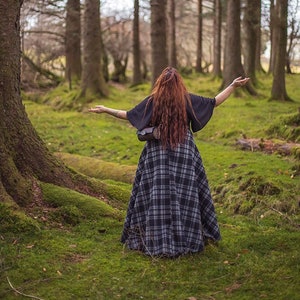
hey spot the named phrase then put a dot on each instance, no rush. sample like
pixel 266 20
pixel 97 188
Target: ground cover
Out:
pixel 68 247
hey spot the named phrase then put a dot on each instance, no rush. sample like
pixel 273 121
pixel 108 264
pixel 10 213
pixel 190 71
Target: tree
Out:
pixel 280 33
pixel 251 24
pixel 43 42
pixel 199 39
pixel 294 33
pixel 137 75
pixel 258 66
pixel 24 158
pixel 158 37
pixel 73 46
pixel 273 37
pixel 217 38
pixel 232 59
pixel 92 76
pixel 232 56
pixel 172 55
pixel 118 43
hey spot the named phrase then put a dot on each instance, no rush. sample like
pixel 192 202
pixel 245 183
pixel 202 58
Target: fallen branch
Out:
pixel 267 146
pixel 46 73
pixel 20 293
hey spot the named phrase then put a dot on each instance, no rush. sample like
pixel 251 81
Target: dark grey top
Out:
pixel 140 115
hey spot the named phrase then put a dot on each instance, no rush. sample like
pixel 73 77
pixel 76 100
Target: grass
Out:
pixel 71 250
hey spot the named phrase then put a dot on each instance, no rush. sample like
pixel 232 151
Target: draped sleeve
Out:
pixel 140 115
pixel 201 112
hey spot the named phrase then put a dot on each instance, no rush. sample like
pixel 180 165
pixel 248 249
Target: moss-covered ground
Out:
pixel 68 246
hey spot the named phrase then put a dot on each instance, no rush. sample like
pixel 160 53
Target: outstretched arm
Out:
pixel 222 96
pixel 121 114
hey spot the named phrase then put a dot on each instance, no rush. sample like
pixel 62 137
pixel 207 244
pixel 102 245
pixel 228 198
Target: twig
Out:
pixel 18 292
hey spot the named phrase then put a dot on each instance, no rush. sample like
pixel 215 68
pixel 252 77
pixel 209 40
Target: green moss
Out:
pixel 14 220
pixel 258 256
pixel 118 193
pixel 89 207
pixel 98 168
pixel 286 127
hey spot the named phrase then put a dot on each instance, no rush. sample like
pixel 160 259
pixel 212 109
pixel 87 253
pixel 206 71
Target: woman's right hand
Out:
pixel 240 81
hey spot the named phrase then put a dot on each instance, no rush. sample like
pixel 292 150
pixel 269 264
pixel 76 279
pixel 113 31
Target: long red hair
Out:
pixel 170 97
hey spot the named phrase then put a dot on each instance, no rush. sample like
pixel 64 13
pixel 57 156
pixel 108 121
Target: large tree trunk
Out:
pixel 137 75
pixel 273 37
pixel 24 158
pixel 73 46
pixel 217 38
pixel 92 76
pixel 251 22
pixel 199 39
pixel 158 37
pixel 172 53
pixel 280 31
pixel 258 66
pixel 232 58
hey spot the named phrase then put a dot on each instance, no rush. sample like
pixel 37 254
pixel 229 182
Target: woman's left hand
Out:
pixel 97 109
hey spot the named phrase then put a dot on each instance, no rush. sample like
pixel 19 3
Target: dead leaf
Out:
pixel 233 287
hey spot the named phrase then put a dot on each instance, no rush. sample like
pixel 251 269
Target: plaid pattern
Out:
pixel 170 210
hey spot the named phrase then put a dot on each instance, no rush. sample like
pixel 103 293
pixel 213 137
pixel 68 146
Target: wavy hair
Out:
pixel 170 98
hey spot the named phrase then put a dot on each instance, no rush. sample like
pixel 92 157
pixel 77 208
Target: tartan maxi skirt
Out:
pixel 170 210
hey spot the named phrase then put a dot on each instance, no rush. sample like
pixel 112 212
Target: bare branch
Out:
pixel 20 293
pixel 45 32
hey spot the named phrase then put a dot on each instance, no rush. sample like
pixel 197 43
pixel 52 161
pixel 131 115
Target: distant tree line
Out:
pixel 72 38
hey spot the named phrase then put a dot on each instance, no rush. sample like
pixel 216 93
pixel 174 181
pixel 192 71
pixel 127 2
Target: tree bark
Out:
pixel 280 32
pixel 24 158
pixel 251 23
pixel 217 38
pixel 199 39
pixel 158 37
pixel 232 59
pixel 172 52
pixel 137 75
pixel 72 41
pixel 273 38
pixel 92 76
pixel 258 66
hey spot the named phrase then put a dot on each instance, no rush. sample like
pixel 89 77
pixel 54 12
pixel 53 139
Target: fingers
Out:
pixel 241 81
pixel 96 109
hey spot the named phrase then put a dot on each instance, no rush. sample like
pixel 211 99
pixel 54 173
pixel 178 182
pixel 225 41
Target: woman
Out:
pixel 171 211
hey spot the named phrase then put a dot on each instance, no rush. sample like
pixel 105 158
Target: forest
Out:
pixel 66 175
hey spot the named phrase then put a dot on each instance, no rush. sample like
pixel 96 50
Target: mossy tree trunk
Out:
pixel 24 158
